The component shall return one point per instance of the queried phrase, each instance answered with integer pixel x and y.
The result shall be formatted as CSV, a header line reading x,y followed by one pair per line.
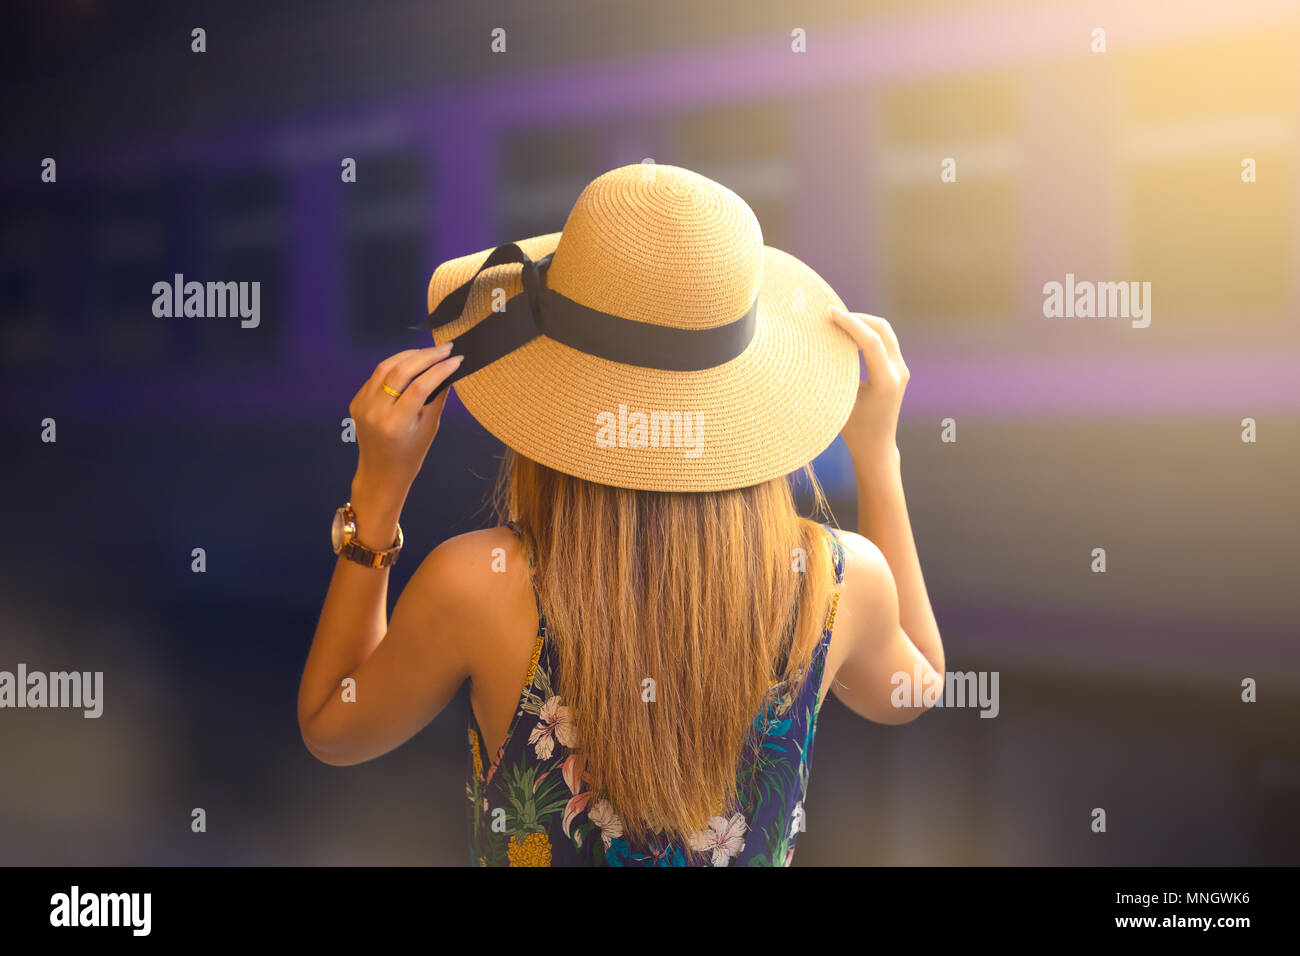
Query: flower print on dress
x,y
575,775
724,838
553,726
603,816
796,824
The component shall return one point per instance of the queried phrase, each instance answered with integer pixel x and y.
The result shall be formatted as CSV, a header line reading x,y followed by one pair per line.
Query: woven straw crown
x,y
664,246
660,244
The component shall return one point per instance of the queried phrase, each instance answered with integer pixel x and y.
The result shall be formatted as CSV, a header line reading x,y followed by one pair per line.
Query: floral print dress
x,y
531,807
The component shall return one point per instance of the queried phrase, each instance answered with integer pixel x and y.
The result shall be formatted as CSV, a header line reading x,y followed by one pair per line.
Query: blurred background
x,y
1119,690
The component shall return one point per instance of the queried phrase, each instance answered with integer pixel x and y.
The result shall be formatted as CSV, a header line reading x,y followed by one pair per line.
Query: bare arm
x,y
892,606
353,637
877,674
410,673
883,520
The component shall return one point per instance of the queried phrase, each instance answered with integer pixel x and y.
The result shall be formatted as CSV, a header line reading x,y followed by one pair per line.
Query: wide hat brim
x,y
762,415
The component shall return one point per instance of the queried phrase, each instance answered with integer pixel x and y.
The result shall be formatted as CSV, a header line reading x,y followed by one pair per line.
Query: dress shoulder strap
x,y
837,553
837,556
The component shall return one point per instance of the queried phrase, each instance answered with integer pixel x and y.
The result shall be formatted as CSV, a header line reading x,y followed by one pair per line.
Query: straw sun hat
x,y
655,343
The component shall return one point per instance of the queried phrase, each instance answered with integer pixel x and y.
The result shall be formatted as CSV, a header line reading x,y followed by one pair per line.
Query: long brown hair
x,y
701,592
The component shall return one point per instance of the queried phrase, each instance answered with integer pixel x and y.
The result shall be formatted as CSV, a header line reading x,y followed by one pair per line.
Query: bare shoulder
x,y
866,572
471,577
475,553
868,605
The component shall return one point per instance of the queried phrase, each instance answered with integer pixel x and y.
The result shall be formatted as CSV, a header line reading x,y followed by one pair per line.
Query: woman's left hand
x,y
394,434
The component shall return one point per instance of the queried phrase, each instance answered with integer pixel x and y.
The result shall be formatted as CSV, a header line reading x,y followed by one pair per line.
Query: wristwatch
x,y
344,535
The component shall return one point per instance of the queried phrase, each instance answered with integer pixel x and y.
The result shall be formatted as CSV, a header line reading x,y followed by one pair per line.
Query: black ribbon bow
x,y
542,311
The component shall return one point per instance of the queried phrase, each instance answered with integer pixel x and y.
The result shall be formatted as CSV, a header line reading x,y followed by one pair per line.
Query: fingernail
x,y
444,347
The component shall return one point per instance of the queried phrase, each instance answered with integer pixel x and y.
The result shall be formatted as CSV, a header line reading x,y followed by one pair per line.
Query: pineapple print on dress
x,y
534,801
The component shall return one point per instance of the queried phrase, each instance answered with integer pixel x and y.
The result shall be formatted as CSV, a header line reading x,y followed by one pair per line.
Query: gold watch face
x,y
342,530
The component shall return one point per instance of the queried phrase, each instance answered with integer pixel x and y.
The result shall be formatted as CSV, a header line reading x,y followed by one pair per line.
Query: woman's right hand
x,y
872,428
394,435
